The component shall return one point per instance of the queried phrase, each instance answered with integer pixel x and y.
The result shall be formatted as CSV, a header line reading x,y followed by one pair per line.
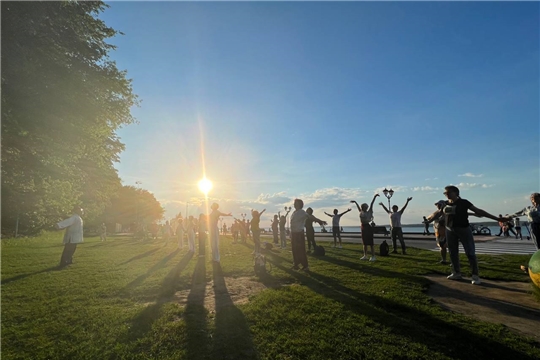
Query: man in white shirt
x,y
395,223
72,236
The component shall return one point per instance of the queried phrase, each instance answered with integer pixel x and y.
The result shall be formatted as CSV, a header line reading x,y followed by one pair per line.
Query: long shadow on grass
x,y
139,280
22,276
408,322
195,315
140,256
232,338
142,323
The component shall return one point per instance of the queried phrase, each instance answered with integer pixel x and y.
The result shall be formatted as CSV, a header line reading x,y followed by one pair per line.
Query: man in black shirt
x,y
458,230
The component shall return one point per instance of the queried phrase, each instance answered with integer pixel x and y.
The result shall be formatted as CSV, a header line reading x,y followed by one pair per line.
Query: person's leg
x,y
512,231
452,241
295,249
334,234
535,234
70,247
63,258
401,240
215,245
364,247
467,240
257,241
339,236
394,238
301,254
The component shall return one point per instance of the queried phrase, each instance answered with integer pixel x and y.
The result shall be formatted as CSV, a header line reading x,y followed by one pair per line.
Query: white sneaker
x,y
475,280
373,258
340,247
453,276
364,257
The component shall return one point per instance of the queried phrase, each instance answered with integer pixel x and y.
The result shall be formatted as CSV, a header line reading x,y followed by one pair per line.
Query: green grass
x,y
117,301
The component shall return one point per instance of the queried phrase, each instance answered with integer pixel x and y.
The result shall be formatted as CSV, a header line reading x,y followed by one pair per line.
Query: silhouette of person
x,y
275,225
298,240
426,226
103,232
214,231
366,217
203,223
180,232
336,230
256,230
282,232
395,224
533,217
190,232
440,230
310,231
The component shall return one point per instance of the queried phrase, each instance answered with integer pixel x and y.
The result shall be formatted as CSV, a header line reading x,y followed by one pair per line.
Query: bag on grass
x,y
318,250
260,265
384,249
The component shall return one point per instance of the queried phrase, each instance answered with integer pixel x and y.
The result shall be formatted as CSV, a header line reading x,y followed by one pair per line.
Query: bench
x,y
380,230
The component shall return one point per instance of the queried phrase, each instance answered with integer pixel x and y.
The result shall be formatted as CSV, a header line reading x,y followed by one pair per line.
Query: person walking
x,y
458,230
298,240
533,216
214,231
336,230
366,217
256,230
72,236
395,225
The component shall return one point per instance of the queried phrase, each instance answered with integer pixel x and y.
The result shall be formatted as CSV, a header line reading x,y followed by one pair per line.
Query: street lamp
x,y
388,194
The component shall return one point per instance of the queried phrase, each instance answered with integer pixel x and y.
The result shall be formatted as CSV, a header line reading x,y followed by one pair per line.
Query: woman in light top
x,y
533,216
366,217
214,230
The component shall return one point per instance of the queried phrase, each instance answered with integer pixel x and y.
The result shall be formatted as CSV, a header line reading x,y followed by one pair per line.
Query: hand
x,y
349,209
381,204
376,195
353,201
409,198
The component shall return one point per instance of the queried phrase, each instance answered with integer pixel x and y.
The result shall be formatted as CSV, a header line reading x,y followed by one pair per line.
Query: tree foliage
x,y
63,99
133,206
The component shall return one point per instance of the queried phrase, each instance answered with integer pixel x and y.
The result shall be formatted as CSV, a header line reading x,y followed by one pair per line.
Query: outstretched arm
x,y
262,212
373,201
483,213
358,206
405,206
327,214
384,207
321,222
223,214
437,214
343,213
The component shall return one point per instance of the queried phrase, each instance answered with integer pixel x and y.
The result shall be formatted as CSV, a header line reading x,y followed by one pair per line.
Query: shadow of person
x,y
22,276
197,336
140,279
232,336
140,256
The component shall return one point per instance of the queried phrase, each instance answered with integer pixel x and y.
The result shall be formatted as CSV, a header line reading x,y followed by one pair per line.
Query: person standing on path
x,y
282,232
336,230
72,236
214,231
440,229
298,240
366,217
395,225
256,230
458,230
533,216
275,225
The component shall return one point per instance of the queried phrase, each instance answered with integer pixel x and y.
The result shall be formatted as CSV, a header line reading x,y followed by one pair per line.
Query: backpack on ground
x,y
384,249
259,265
318,251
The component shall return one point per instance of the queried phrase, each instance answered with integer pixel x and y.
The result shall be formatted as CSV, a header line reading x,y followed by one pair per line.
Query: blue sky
x,y
331,102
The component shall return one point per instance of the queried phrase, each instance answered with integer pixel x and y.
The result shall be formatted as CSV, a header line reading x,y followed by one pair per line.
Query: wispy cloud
x,y
466,186
471,175
424,188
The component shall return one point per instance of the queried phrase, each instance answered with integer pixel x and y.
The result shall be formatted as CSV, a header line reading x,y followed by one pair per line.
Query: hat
x,y
440,202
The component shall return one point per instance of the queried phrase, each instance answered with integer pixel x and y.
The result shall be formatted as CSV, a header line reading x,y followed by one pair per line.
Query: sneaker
x,y
340,247
444,262
364,257
373,258
475,280
394,252
306,269
453,276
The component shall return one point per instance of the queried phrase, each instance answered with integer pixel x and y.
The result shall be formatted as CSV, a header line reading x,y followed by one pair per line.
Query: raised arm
x,y
405,206
321,222
518,214
343,213
223,214
357,206
372,202
384,207
262,211
328,214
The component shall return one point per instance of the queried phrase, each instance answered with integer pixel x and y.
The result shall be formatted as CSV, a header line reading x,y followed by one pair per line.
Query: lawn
x,y
120,299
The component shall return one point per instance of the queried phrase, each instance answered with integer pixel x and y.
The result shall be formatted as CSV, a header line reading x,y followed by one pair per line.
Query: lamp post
x,y
388,194
286,210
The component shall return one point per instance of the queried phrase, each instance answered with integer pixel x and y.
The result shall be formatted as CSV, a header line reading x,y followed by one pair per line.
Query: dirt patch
x,y
502,302
230,291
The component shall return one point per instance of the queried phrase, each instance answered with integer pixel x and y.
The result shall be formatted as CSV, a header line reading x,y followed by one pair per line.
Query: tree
x,y
133,206
62,101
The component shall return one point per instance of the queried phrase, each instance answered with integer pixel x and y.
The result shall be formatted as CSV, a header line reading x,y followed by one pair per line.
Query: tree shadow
x,y
142,323
409,322
195,315
139,280
232,335
140,256
22,276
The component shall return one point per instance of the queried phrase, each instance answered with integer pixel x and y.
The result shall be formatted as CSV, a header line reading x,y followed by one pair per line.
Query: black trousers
x,y
67,254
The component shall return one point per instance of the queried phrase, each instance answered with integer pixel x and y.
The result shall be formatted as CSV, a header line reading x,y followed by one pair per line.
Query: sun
x,y
205,186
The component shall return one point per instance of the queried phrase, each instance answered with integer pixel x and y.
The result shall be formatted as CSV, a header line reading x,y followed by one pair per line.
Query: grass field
x,y
120,299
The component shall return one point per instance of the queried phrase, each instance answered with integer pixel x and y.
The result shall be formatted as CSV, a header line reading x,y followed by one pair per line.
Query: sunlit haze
x,y
331,102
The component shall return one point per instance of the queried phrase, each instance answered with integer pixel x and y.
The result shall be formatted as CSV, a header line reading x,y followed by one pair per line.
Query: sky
x,y
331,102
